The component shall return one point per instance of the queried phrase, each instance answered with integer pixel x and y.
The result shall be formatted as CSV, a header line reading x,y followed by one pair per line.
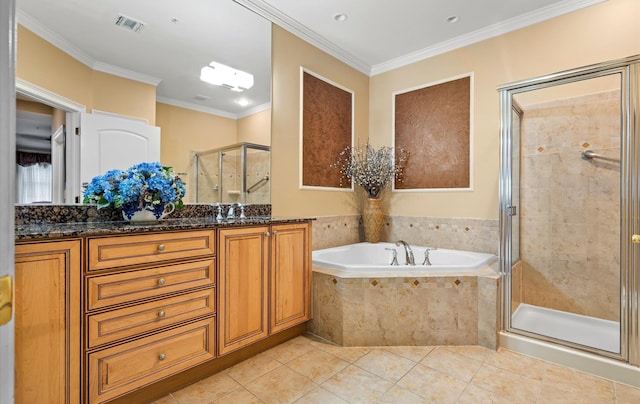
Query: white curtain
x,y
34,183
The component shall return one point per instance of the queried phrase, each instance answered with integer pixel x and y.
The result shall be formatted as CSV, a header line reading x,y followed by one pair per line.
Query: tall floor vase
x,y
373,220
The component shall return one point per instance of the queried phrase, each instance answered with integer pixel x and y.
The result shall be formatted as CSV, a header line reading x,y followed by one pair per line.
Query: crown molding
x,y
491,31
127,74
277,17
254,110
59,42
213,111
196,107
283,20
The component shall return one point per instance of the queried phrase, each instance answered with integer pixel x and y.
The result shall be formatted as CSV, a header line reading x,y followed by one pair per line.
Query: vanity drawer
x,y
113,252
126,367
106,290
129,321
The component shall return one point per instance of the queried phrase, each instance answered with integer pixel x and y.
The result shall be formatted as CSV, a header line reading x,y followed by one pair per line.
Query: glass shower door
x,y
566,281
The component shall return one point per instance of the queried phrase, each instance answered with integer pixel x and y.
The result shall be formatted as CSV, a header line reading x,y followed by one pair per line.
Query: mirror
x,y
76,57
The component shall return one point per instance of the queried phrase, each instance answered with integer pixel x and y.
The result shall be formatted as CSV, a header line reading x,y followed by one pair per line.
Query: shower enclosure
x,y
569,205
235,173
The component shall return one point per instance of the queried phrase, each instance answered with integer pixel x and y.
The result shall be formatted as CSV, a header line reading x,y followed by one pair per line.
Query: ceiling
x,y
377,36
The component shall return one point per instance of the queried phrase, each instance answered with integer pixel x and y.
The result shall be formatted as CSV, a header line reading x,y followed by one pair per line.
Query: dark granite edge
x,y
51,231
80,213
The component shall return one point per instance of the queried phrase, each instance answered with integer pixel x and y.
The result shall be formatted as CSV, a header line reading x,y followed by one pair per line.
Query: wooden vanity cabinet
x,y
47,322
263,278
290,276
243,277
150,309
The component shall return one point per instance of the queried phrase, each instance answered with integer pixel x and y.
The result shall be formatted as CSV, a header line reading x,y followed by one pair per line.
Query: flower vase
x,y
373,220
146,214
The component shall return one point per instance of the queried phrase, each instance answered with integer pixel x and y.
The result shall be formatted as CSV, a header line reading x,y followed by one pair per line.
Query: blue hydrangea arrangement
x,y
148,186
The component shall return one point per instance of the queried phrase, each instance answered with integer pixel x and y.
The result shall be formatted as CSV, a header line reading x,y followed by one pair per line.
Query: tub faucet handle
x,y
394,259
427,261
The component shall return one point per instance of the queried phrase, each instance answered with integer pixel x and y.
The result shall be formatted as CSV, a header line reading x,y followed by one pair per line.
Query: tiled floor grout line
x,y
388,364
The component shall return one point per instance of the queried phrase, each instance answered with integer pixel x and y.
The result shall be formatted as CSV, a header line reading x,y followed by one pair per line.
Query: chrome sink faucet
x,y
410,260
231,213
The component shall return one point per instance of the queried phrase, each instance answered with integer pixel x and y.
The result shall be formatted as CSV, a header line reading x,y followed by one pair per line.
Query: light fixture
x,y
243,102
453,19
222,75
340,17
129,23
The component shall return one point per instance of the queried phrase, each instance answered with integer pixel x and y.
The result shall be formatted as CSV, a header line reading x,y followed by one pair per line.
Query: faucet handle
x,y
242,215
394,259
427,260
218,211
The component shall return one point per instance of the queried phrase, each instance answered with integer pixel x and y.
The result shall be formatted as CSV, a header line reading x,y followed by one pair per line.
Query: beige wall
x,y
289,53
599,33
46,66
255,128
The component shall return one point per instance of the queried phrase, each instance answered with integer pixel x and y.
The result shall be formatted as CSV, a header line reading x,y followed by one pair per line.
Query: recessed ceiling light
x,y
453,19
243,102
340,17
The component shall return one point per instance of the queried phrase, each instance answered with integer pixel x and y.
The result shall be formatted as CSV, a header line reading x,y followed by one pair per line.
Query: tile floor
x,y
304,370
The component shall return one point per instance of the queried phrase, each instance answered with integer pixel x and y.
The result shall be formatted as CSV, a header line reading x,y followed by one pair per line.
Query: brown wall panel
x,y
326,131
433,124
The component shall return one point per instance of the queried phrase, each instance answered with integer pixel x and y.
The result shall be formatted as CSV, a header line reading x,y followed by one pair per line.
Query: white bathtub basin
x,y
371,258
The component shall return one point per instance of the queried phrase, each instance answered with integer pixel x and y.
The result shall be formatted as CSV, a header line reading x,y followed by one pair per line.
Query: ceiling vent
x,y
129,23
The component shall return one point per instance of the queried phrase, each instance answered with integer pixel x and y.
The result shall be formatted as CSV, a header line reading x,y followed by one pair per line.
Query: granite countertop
x,y
42,231
45,222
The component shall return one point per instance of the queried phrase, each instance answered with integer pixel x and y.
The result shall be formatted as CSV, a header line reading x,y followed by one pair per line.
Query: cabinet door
x,y
290,266
47,322
242,287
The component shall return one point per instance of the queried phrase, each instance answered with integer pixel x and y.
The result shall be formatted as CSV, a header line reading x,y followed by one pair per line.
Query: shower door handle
x,y
635,239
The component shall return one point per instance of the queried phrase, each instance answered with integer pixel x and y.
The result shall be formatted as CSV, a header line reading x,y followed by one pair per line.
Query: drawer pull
x,y
162,357
161,247
161,281
161,314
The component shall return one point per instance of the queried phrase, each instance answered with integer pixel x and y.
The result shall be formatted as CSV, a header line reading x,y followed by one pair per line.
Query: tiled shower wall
x,y
570,225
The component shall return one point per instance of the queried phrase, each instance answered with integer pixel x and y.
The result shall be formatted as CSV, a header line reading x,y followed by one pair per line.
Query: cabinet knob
x,y
161,247
161,281
161,314
162,357
267,234
275,232
635,239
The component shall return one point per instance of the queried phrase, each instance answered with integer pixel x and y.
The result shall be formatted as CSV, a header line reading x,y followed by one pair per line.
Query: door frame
x,y
72,189
7,181
629,68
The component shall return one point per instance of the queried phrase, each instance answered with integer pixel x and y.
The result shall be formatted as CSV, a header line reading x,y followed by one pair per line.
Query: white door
x,y
7,181
109,141
57,162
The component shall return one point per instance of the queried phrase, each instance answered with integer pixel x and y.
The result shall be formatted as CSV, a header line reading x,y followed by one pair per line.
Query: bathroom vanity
x,y
119,312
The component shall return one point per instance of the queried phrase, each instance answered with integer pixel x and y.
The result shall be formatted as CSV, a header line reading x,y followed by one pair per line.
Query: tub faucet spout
x,y
410,260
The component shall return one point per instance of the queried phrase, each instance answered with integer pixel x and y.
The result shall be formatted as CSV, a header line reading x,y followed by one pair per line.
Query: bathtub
x,y
370,260
361,300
